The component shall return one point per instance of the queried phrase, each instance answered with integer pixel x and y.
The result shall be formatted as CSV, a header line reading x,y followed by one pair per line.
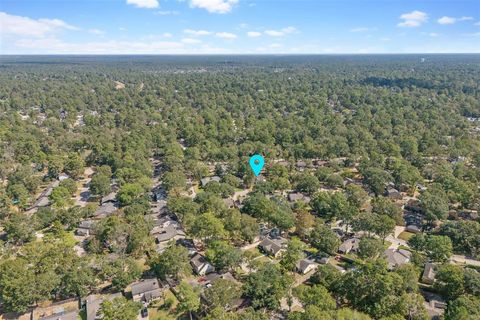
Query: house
x,y
214,276
349,245
187,243
413,228
200,265
63,176
207,180
324,260
71,315
292,197
273,247
393,193
167,233
397,257
111,197
305,266
105,209
85,228
428,275
301,165
93,304
146,290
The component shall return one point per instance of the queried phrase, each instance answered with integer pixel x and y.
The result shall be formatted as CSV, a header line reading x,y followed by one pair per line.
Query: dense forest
x,y
366,144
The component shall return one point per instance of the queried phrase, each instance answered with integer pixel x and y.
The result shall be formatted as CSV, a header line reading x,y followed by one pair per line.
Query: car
x,y
144,312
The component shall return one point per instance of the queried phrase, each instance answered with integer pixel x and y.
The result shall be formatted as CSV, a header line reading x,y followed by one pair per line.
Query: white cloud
x,y
385,39
413,19
451,20
24,26
226,35
477,23
197,33
253,34
167,13
214,6
167,35
433,34
54,45
97,32
281,32
122,29
191,41
446,20
149,4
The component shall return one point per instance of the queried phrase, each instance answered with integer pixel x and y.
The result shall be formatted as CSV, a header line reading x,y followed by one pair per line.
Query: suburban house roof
x,y
303,264
109,197
198,261
429,272
295,196
106,209
206,180
145,286
272,246
397,257
349,245
86,224
93,303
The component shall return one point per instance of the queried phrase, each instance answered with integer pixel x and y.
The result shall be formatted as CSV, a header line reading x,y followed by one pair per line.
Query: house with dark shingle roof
x,y
146,290
93,304
273,247
397,257
304,266
200,265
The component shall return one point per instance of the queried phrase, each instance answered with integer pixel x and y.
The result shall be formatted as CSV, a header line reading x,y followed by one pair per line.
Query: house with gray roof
x,y
349,245
146,290
93,304
428,275
200,265
207,180
85,228
305,266
397,257
273,247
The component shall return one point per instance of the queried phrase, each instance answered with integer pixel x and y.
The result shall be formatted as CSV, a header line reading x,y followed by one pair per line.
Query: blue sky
x,y
238,26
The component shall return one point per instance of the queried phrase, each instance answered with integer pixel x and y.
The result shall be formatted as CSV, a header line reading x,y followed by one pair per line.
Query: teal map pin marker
x,y
256,163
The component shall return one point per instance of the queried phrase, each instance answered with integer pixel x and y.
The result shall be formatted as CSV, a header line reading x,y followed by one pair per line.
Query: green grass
x,y
158,311
405,235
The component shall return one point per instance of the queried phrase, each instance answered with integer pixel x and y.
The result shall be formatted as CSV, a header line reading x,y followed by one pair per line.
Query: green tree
x,y
189,298
207,226
266,287
222,293
129,192
293,254
100,185
119,309
74,165
324,239
223,255
172,262
370,248
316,295
465,307
70,185
450,281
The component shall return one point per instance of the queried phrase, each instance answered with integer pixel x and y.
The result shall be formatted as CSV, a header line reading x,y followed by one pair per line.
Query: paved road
x,y
464,260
